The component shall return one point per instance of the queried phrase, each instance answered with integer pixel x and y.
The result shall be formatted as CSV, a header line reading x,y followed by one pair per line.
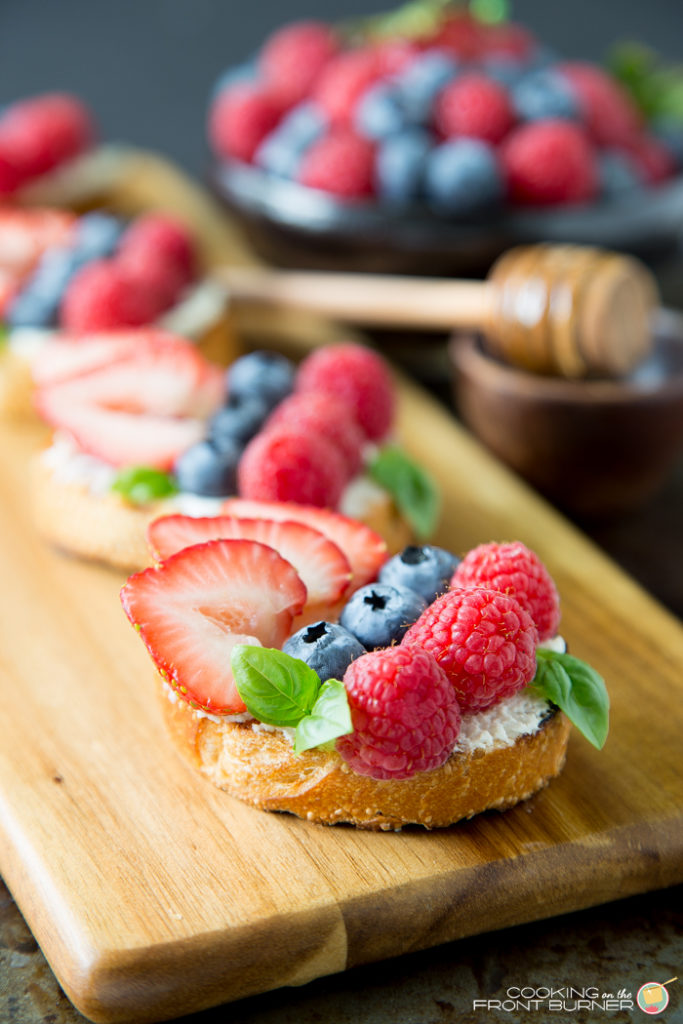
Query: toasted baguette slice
x,y
100,527
260,768
103,527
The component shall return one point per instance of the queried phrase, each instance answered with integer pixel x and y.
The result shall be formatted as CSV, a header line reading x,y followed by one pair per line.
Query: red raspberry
x,y
287,464
654,160
359,377
162,279
405,715
475,106
317,412
293,57
343,82
240,119
394,54
104,295
507,40
462,35
158,242
609,113
514,569
11,176
43,132
342,163
549,162
484,641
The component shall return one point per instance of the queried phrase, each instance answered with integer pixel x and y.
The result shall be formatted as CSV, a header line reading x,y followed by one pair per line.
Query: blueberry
x,y
97,236
543,57
505,70
264,375
281,151
545,94
326,648
400,165
207,470
618,174
304,123
463,177
37,304
238,420
379,615
247,72
380,112
669,131
422,80
427,570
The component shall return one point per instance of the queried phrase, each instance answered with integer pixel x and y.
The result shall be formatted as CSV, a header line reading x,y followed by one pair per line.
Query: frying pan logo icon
x,y
653,996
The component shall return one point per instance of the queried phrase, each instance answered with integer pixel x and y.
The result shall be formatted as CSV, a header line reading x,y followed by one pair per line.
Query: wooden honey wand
x,y
558,309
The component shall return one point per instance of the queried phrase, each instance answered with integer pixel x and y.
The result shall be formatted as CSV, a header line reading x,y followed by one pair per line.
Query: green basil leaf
x,y
577,689
330,718
277,689
491,12
412,488
4,334
142,484
411,20
655,85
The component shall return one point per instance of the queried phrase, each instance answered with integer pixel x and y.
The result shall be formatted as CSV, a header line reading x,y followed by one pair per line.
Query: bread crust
x,y
100,527
16,386
261,768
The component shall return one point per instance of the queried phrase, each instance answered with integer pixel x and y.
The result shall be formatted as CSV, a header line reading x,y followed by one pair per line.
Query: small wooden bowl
x,y
596,448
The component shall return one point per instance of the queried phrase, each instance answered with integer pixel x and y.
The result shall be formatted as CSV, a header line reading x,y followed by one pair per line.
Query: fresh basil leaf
x,y
577,689
655,85
491,12
412,20
412,488
4,334
142,484
277,689
330,718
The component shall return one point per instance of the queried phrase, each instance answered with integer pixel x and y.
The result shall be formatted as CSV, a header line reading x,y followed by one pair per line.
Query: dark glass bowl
x,y
291,225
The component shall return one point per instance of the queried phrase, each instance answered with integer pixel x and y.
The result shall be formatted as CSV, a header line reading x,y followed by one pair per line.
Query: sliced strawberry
x,y
26,234
121,438
191,611
365,549
139,385
66,357
9,286
145,408
324,569
164,371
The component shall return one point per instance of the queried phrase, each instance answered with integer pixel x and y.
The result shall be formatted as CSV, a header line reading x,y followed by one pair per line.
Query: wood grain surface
x,y
152,894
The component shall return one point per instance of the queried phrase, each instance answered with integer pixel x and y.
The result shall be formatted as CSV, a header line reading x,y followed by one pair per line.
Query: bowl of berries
x,y
429,140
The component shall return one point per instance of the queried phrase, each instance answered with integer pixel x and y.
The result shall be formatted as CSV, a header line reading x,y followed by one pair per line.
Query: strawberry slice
x,y
161,387
26,234
119,437
145,408
365,549
324,569
164,371
9,286
191,610
65,357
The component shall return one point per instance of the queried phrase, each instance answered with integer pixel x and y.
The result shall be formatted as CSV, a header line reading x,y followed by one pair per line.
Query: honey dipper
x,y
556,309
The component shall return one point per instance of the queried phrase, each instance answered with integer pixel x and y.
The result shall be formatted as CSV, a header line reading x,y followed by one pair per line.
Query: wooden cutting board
x,y
153,895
